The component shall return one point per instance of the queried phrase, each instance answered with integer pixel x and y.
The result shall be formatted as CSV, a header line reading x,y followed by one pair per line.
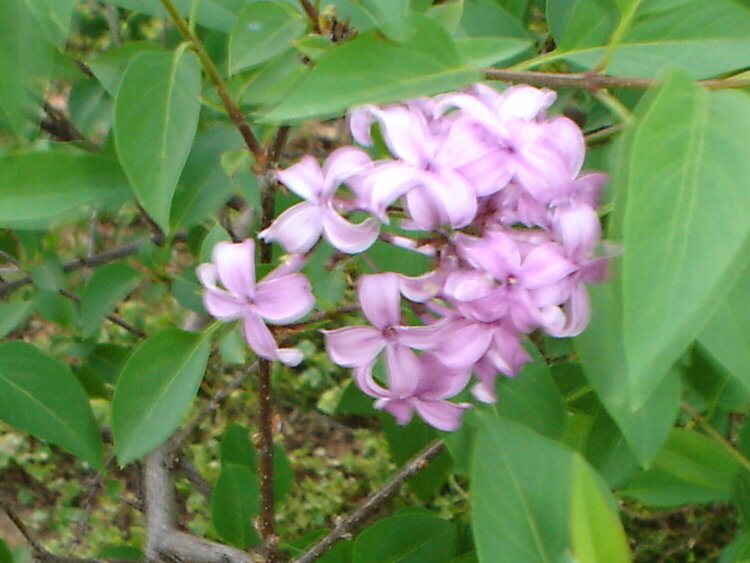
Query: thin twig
x,y
312,13
233,110
716,436
274,152
364,511
91,261
116,319
30,537
593,81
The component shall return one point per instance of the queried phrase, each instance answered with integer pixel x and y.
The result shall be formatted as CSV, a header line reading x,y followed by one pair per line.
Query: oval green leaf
x,y
40,395
522,507
156,116
33,198
688,166
377,70
155,389
261,31
235,501
407,538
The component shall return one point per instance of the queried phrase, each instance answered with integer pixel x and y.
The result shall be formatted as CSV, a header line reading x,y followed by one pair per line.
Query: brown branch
x,y
233,110
312,13
59,125
593,81
367,509
274,151
90,261
162,538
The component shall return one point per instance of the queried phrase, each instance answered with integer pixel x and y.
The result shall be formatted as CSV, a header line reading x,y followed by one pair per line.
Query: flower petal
x,y
285,299
343,163
545,265
380,299
443,415
401,410
304,178
290,356
235,265
463,343
353,345
259,337
297,229
349,237
404,370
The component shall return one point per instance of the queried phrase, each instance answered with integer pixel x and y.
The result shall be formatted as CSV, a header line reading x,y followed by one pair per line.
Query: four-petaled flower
x,y
283,296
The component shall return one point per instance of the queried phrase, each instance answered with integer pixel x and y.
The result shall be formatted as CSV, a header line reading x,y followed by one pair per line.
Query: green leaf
x,y
155,389
12,315
156,116
691,468
718,387
404,442
213,14
108,67
235,447
522,509
101,367
262,31
533,399
204,186
407,538
26,63
701,38
5,555
725,336
676,266
582,23
53,17
235,501
377,70
607,450
489,19
741,497
596,534
32,198
487,51
603,359
273,81
55,308
40,395
107,286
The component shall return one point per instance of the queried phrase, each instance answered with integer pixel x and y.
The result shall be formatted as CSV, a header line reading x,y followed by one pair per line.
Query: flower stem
x,y
235,114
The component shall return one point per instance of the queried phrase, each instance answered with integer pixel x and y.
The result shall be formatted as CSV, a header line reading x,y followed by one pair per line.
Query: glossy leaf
x,y
691,468
676,266
235,501
32,198
521,503
155,389
377,70
486,51
406,538
596,534
718,387
607,450
156,116
40,395
107,286
603,359
262,31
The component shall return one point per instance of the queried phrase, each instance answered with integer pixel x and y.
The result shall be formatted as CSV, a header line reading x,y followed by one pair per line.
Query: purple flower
x,y
280,298
425,391
298,228
425,171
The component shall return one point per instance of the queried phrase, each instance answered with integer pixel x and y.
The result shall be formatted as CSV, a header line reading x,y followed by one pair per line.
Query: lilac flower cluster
x,y
513,234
